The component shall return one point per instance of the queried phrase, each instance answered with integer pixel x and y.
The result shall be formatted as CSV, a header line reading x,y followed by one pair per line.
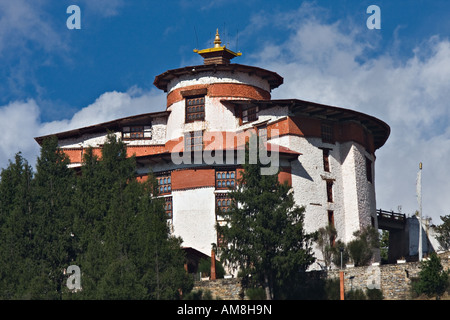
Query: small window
x,y
225,179
136,132
164,184
327,132
331,218
326,160
223,203
250,114
329,190
369,169
262,133
331,223
193,141
168,207
195,109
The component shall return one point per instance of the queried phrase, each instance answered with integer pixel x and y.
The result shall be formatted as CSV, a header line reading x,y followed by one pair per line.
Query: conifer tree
x,y
125,248
159,257
15,245
264,234
52,221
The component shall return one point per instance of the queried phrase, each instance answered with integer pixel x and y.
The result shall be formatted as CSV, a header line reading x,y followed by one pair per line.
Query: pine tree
x,y
159,255
52,221
264,232
125,251
15,211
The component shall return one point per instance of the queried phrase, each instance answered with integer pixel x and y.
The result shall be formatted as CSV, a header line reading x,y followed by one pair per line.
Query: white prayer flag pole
x,y
419,200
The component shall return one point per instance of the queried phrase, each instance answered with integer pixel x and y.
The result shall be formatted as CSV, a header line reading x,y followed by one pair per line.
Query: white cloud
x,y
110,106
331,63
20,122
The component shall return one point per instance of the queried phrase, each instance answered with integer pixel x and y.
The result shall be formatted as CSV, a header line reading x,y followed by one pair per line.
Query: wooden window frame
x,y
164,183
195,108
168,207
331,223
327,132
329,184
137,132
193,141
326,160
250,114
369,174
227,182
221,210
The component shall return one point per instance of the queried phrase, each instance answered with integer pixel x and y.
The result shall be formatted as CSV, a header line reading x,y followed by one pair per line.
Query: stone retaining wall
x,y
223,289
394,280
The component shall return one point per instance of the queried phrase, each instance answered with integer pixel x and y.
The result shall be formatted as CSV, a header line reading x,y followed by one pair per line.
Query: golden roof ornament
x,y
218,54
217,41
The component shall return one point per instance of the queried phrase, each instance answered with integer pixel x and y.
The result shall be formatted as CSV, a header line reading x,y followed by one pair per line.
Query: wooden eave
x,y
379,129
116,124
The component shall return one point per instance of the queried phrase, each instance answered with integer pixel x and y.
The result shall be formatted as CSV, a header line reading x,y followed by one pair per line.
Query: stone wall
x,y
394,280
223,289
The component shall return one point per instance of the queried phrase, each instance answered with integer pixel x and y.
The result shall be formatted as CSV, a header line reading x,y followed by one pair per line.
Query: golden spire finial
x,y
217,41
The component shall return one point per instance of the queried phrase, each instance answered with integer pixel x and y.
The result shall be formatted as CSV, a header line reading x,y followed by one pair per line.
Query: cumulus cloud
x,y
330,63
20,120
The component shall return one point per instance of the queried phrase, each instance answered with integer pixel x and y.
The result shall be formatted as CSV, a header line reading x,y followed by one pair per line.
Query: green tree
x,y
264,232
52,221
15,244
433,280
443,232
325,241
384,246
361,248
126,251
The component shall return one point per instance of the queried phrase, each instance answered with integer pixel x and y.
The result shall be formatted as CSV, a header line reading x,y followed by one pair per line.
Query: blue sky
x,y
53,79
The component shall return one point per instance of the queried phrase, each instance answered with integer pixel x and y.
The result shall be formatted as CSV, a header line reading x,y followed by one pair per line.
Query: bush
x,y
256,293
433,280
374,294
204,266
361,249
198,295
355,294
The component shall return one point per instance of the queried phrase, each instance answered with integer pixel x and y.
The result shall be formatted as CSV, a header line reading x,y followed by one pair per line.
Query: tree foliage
x,y
443,232
104,221
361,248
264,232
433,279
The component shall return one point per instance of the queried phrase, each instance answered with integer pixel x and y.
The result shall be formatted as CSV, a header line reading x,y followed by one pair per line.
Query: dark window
x,y
193,141
225,179
331,217
329,190
195,109
136,132
164,184
326,160
262,133
168,207
250,114
327,133
223,203
369,169
331,223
